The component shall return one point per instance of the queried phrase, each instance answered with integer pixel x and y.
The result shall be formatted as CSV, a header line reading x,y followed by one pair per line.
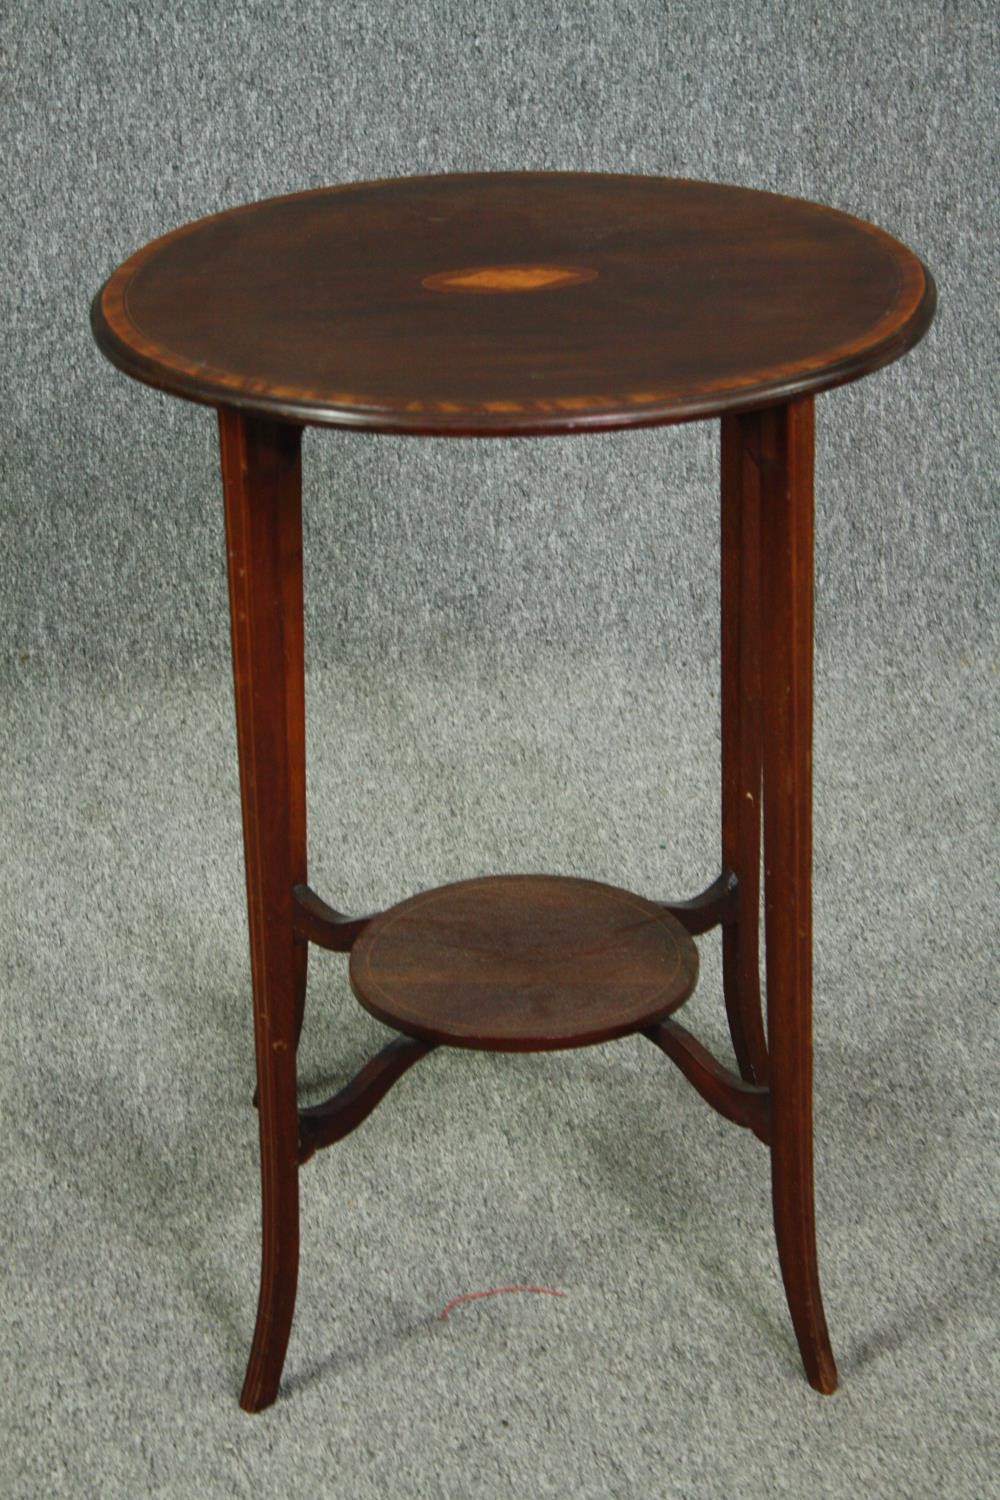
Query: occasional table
x,y
495,305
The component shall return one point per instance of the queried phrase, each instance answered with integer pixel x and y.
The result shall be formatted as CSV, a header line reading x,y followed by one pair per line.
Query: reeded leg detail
x,y
741,736
261,483
293,638
786,470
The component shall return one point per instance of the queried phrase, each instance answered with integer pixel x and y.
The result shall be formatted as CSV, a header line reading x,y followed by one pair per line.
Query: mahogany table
x,y
527,303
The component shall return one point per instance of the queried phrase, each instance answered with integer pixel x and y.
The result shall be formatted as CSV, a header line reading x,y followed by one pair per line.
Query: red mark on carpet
x,y
492,1292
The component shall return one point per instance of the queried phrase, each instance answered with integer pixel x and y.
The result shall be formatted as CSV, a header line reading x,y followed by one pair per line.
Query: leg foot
x,y
795,1231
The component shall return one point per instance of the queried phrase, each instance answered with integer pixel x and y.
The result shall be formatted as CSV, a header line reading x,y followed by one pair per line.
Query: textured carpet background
x,y
512,665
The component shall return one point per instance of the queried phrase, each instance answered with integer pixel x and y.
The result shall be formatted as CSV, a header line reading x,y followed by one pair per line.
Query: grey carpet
x,y
669,1367
512,654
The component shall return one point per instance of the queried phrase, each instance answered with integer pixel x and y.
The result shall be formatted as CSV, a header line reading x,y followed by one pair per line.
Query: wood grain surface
x,y
523,963
513,302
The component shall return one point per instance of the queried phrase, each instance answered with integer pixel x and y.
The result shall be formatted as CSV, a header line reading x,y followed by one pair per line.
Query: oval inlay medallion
x,y
523,278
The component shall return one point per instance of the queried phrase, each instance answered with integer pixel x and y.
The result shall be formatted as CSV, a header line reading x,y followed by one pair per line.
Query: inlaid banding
x,y
520,278
724,299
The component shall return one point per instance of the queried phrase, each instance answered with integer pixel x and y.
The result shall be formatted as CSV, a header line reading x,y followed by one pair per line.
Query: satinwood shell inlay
x,y
508,278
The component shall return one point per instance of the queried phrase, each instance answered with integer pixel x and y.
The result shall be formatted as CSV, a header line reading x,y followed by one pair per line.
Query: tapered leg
x,y
786,469
741,736
261,483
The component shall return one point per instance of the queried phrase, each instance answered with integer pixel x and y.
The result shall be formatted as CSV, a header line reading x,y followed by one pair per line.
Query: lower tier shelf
x,y
523,963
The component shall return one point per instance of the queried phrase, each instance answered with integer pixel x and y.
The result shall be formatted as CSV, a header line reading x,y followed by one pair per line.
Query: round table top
x,y
506,303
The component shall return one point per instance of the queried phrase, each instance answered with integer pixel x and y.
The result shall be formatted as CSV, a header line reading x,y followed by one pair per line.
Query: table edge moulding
x,y
529,304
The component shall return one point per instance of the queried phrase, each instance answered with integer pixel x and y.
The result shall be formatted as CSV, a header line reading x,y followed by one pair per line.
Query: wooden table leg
x,y
741,737
786,474
262,486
